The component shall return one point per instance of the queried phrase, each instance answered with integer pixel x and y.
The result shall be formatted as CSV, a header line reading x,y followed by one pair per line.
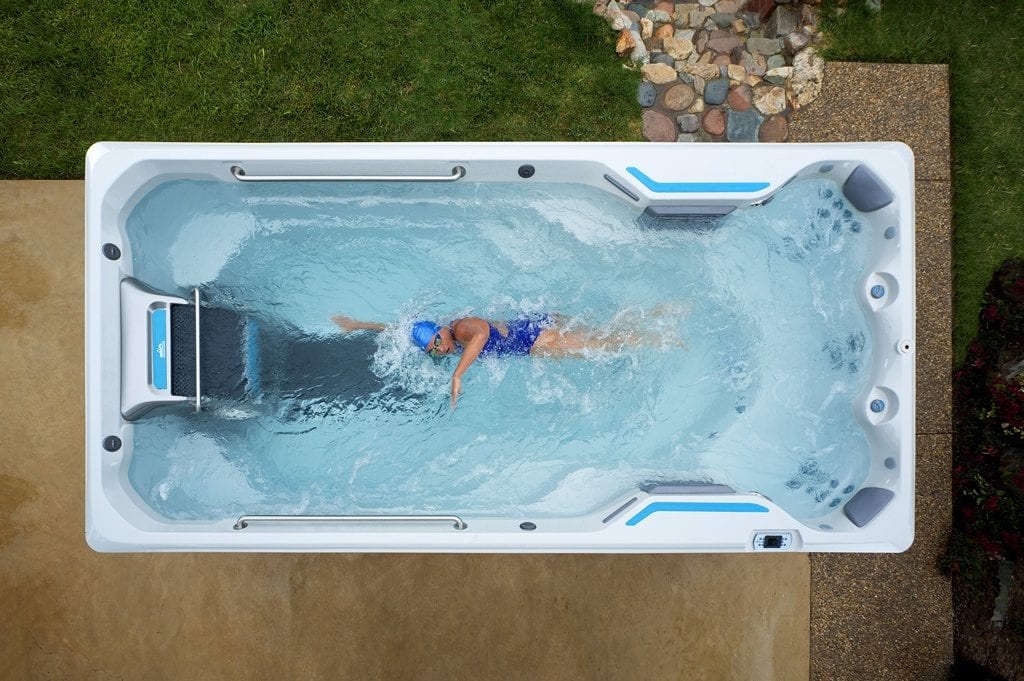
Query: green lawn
x,y
77,71
983,43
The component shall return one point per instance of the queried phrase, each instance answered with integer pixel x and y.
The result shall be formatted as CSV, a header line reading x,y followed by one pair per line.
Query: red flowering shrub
x,y
988,471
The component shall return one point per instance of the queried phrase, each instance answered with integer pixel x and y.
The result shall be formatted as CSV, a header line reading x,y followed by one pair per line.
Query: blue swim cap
x,y
422,332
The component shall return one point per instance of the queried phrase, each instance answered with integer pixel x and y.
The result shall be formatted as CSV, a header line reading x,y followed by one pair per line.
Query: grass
x,y
983,43
73,72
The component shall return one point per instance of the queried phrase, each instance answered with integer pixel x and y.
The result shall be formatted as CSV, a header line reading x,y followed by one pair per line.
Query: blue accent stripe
x,y
697,507
697,187
158,327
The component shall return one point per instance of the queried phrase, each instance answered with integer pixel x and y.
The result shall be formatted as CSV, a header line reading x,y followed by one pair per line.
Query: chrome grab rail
x,y
458,172
243,521
198,393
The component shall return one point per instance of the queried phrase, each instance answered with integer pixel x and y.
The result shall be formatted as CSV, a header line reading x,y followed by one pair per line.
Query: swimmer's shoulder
x,y
467,327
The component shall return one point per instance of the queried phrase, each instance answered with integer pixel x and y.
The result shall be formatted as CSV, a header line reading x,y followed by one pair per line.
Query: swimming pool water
x,y
755,349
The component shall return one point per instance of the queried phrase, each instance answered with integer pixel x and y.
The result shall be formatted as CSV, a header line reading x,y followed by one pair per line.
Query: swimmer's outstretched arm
x,y
472,333
348,324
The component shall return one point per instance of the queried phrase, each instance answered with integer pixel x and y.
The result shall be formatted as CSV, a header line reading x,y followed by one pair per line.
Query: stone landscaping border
x,y
719,70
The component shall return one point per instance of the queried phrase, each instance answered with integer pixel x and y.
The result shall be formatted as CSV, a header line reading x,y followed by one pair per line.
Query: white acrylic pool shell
x,y
673,519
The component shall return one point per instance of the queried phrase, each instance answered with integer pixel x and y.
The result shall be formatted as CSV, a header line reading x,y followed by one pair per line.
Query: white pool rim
x,y
666,519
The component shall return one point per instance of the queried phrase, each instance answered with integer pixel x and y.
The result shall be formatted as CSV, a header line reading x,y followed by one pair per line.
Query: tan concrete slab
x,y
71,613
890,616
883,102
934,308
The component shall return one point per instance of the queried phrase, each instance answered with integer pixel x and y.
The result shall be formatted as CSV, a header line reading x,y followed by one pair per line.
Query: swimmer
x,y
539,335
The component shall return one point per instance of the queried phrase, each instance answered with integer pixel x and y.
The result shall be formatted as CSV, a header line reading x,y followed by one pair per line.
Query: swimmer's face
x,y
441,344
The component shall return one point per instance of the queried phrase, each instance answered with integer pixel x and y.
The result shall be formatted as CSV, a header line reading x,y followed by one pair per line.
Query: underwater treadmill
x,y
169,360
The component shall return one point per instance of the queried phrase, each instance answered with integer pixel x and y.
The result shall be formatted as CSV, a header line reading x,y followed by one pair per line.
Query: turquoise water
x,y
753,349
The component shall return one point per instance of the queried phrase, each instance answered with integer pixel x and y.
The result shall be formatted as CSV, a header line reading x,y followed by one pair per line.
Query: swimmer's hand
x,y
456,389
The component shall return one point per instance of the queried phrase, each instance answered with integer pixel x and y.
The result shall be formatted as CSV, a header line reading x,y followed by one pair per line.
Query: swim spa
x,y
768,406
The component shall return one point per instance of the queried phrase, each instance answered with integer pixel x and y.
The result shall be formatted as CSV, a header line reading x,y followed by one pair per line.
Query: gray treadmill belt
x,y
241,357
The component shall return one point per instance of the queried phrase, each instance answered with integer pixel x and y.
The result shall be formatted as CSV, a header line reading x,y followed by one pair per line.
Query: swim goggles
x,y
436,345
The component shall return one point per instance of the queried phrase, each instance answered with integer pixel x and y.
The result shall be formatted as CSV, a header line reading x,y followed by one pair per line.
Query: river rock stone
x,y
783,21
775,129
736,72
751,20
729,6
754,63
618,21
705,71
779,76
679,48
625,43
741,98
659,17
698,86
698,106
723,42
764,46
722,20
688,123
662,58
667,7
657,127
659,74
716,91
808,71
664,31
776,61
741,126
646,28
679,97
761,9
646,94
714,122
697,19
639,54
794,42
634,18
770,100
808,17
639,8
701,43
686,137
